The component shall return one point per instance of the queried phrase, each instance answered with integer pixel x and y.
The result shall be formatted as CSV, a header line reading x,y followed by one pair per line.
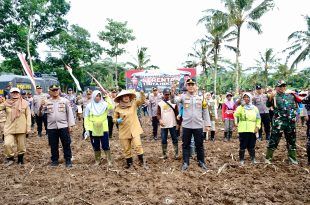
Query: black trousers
x,y
247,140
198,138
53,139
110,124
155,123
265,120
40,120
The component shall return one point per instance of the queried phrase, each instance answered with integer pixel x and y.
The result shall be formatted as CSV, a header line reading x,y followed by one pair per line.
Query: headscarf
x,y
229,103
249,106
16,107
97,108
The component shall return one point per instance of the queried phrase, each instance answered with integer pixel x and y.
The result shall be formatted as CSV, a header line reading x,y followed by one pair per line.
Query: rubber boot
x,y
213,136
292,156
9,161
252,156
269,156
229,135
128,162
268,137
164,149
225,136
204,136
97,158
176,151
241,156
20,159
109,158
142,161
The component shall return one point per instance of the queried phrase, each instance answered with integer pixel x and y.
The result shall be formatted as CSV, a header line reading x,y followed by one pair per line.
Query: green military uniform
x,y
284,120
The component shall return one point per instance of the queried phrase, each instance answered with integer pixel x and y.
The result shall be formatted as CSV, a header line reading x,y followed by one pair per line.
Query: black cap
x,y
190,81
53,87
154,89
38,87
258,87
166,91
22,92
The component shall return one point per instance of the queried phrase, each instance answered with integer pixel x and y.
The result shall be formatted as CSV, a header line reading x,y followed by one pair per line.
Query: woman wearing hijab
x,y
248,121
96,125
17,125
228,109
125,115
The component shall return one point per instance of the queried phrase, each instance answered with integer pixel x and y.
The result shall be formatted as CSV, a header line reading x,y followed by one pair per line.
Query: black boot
x,y
241,156
128,162
142,161
20,159
229,135
213,136
204,136
9,161
225,136
252,155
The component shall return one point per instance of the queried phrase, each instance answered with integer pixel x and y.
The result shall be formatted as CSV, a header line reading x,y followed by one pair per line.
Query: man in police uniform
x,y
195,118
111,112
284,120
60,120
38,99
154,99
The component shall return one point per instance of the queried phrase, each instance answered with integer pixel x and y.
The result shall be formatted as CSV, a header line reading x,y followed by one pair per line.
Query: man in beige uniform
x,y
38,99
17,125
60,119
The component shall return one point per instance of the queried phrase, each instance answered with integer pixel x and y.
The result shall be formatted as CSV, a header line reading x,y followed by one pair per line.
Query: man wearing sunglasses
x,y
284,120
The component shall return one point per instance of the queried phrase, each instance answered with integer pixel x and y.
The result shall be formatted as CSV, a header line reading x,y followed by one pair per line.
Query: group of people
x,y
192,115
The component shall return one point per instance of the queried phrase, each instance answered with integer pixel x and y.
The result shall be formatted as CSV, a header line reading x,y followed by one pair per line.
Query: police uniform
x,y
110,117
59,119
153,104
284,120
39,117
195,118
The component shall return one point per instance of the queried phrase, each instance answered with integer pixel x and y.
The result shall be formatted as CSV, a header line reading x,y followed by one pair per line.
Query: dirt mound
x,y
225,182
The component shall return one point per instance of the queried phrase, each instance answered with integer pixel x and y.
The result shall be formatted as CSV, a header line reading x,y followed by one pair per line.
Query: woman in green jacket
x,y
247,119
96,125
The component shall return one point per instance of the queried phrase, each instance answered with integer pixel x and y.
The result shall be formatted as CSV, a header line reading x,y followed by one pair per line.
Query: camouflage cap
x,y
280,82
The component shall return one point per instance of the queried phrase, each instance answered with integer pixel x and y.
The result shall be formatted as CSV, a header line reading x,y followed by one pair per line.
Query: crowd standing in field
x,y
189,113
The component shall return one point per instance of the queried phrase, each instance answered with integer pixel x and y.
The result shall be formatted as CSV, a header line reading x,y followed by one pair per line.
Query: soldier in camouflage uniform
x,y
284,120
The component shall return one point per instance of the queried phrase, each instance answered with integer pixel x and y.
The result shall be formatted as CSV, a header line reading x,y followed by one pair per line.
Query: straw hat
x,y
122,93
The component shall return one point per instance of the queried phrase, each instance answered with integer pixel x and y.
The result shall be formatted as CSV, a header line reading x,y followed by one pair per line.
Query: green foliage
x,y
142,60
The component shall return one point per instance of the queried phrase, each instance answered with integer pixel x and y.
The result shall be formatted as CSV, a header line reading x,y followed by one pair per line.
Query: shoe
x,y
109,158
184,167
142,161
20,159
39,134
269,156
97,158
176,151
164,148
241,162
68,163
225,136
203,166
54,163
9,161
292,156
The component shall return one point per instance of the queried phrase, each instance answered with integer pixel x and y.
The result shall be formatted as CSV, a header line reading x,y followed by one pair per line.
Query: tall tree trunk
x,y
215,70
116,73
266,75
28,45
237,59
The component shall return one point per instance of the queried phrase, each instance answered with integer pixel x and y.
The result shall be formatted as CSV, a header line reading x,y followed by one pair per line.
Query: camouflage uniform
x,y
284,120
306,101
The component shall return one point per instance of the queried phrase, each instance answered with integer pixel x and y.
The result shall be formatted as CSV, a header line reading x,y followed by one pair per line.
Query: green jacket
x,y
98,124
247,119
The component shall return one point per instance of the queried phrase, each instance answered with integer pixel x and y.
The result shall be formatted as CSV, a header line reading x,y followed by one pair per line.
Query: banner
x,y
27,69
147,79
74,78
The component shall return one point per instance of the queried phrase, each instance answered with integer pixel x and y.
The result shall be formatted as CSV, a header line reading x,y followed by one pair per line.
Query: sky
x,y
168,28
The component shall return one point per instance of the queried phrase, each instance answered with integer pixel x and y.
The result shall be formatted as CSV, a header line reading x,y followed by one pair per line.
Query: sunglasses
x,y
54,90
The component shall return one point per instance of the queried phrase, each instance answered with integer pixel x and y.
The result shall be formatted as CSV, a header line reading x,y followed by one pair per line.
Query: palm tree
x,y
218,34
142,60
240,12
301,43
283,72
200,56
267,62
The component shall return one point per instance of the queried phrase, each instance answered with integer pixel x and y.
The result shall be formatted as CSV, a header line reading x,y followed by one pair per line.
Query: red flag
x,y
26,68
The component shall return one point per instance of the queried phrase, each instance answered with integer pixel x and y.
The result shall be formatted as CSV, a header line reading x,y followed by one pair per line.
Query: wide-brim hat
x,y
122,93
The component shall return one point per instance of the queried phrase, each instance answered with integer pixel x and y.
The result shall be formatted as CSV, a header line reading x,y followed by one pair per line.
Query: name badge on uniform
x,y
49,108
61,107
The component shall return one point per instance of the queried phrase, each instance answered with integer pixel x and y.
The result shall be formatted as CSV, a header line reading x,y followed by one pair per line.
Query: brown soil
x,y
38,183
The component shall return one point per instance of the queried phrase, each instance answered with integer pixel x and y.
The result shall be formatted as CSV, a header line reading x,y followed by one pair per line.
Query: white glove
x,y
86,134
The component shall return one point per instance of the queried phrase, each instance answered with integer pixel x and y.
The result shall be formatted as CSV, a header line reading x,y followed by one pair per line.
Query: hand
x,y
161,123
28,132
86,134
70,129
256,130
208,128
178,117
119,120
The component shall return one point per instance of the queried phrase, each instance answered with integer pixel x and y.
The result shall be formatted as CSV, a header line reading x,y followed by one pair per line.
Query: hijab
x,y
249,106
97,108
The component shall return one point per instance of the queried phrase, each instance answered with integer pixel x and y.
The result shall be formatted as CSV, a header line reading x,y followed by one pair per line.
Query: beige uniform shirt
x,y
37,100
59,113
2,114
